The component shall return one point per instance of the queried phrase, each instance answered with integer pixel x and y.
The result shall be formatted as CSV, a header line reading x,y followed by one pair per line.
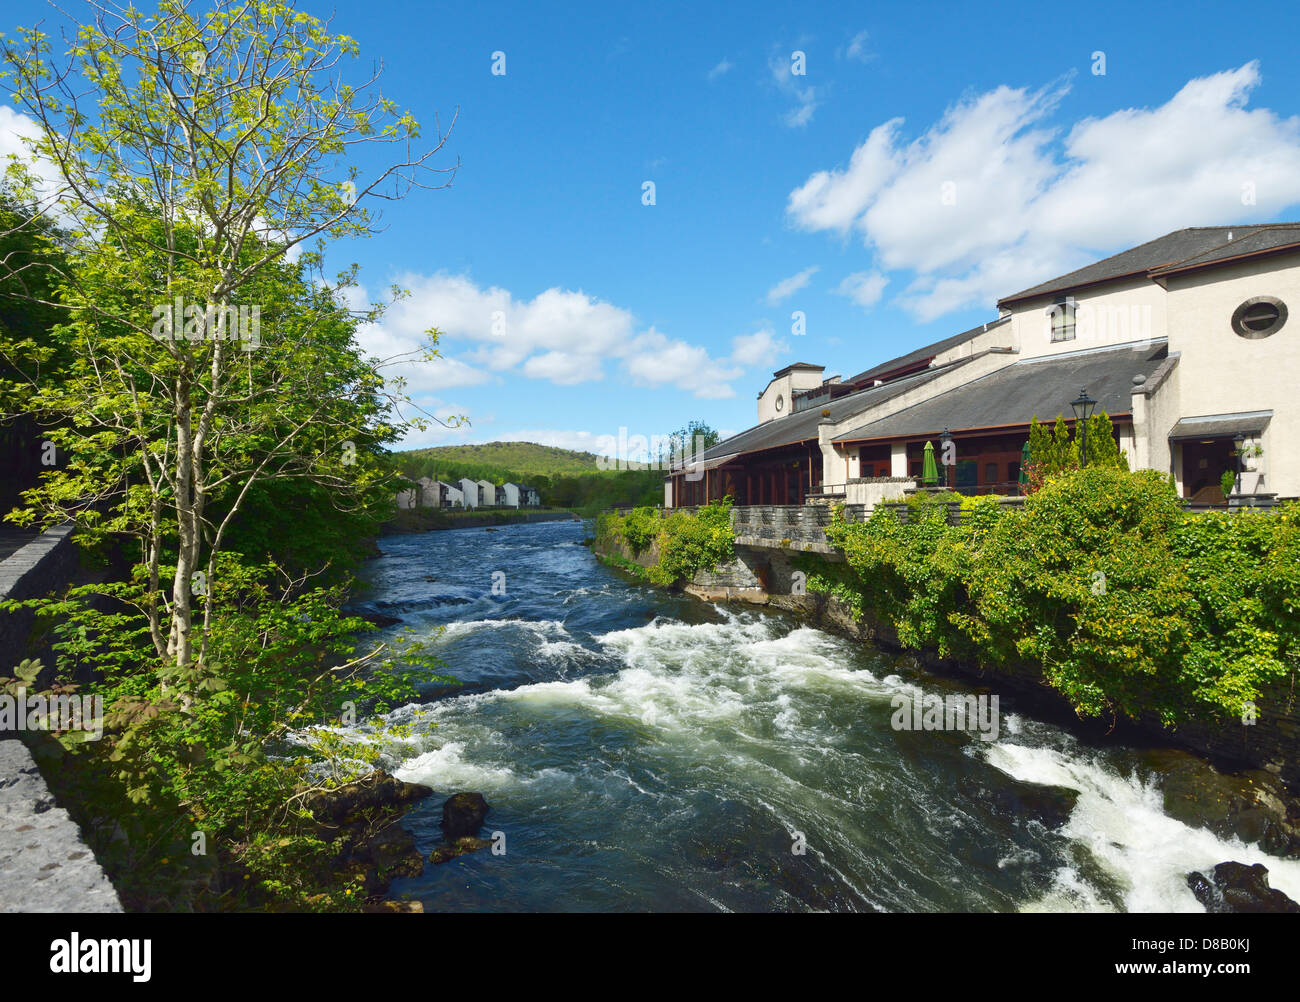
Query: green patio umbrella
x,y
929,471
1024,465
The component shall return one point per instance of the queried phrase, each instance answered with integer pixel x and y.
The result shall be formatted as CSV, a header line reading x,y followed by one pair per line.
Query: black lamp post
x,y
1083,408
1239,441
944,439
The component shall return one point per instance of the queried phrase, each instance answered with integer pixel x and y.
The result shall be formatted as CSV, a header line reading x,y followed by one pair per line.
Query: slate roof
x,y
1220,425
801,426
1164,254
1011,396
928,351
1259,241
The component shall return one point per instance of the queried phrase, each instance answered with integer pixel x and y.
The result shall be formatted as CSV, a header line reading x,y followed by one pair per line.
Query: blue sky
x,y
930,159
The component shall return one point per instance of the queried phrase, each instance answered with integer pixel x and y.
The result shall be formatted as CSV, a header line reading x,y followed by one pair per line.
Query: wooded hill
x,y
520,458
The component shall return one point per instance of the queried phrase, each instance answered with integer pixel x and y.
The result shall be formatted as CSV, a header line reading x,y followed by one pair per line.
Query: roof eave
x,y
1024,297
960,432
1179,268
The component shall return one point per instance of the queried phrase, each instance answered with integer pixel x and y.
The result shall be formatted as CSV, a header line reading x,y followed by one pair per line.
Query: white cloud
x,y
857,49
561,336
864,287
723,67
16,130
787,287
657,360
564,368
760,348
795,87
990,200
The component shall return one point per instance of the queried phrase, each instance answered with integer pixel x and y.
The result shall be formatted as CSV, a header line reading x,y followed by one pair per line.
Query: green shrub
x,y
1128,603
691,542
688,541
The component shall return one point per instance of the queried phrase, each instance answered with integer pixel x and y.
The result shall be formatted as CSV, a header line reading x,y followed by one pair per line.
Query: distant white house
x,y
429,494
407,499
469,490
511,495
451,495
487,493
529,497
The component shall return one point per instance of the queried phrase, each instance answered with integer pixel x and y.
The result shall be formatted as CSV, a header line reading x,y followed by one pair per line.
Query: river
x,y
642,750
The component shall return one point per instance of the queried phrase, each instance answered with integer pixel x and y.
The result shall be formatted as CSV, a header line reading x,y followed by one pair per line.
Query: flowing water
x,y
645,751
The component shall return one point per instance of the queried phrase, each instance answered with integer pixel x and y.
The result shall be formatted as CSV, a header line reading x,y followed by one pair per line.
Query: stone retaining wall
x,y
44,864
48,562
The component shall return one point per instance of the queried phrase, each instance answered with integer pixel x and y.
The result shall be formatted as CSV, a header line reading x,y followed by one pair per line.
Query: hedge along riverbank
x,y
684,542
1128,603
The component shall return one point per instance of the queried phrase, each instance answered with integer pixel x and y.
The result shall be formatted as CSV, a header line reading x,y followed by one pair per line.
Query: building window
x,y
1259,317
1062,314
990,473
780,403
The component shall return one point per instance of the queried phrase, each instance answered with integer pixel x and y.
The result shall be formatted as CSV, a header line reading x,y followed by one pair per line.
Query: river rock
x,y
398,907
377,618
1253,805
1238,888
374,791
462,815
450,850
1050,806
393,853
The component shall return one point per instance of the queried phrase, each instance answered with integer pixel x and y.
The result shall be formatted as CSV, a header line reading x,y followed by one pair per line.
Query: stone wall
x,y
870,491
48,562
44,864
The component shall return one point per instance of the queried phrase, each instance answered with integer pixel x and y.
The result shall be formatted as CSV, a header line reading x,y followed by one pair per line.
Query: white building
x,y
1185,341
452,497
469,490
487,493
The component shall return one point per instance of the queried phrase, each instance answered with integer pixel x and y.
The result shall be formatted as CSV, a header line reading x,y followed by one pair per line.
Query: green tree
x,y
1055,450
218,142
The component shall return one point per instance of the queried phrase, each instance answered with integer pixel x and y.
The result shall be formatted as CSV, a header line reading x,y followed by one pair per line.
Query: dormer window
x,y
1062,314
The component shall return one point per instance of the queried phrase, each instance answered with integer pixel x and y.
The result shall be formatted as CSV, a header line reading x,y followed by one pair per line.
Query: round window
x,y
1259,317
780,402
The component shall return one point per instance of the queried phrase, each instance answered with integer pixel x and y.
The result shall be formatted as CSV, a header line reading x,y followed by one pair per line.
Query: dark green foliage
x,y
688,541
1128,603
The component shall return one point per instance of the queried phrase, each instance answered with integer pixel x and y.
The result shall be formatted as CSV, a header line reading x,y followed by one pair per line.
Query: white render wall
x,y
1116,313
799,379
1222,373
